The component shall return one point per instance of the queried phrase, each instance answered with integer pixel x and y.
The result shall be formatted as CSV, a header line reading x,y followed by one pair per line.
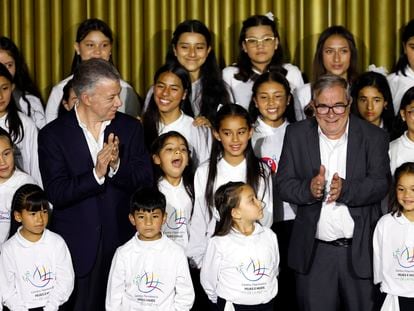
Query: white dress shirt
x,y
335,221
95,146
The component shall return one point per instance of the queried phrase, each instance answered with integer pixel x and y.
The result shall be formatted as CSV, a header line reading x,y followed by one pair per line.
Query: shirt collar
x,y
342,139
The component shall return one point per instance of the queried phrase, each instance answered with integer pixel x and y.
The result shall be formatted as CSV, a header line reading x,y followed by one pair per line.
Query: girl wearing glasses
x,y
336,54
372,100
402,149
260,51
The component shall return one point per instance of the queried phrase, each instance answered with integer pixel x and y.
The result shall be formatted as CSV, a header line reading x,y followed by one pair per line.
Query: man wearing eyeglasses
x,y
335,167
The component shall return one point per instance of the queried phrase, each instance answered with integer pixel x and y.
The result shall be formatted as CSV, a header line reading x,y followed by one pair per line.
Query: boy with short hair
x,y
150,271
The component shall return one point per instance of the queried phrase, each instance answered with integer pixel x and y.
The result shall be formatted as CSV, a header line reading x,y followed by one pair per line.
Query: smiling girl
x,y
232,159
172,90
191,46
394,244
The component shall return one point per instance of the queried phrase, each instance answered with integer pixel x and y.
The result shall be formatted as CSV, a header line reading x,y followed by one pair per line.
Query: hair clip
x,y
381,70
270,16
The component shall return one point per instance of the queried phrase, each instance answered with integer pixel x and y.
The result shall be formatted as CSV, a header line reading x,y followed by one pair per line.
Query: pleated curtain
x,y
45,30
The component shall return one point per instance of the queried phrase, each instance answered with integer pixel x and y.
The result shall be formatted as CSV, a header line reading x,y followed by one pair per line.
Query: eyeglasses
x,y
336,109
251,42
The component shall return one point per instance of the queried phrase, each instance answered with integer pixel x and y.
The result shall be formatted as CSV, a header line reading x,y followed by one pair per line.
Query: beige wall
x,y
45,30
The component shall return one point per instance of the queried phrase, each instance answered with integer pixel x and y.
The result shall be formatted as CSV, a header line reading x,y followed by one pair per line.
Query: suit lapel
x,y
353,148
79,141
312,138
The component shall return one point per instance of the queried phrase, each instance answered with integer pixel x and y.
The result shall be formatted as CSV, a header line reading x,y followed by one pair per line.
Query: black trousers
x,y
406,304
286,295
331,283
90,291
221,303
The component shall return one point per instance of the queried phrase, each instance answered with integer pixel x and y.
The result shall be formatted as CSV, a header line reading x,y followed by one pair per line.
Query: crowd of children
x,y
211,232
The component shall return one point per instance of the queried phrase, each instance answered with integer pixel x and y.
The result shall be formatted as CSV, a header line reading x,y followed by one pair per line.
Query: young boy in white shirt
x,y
150,271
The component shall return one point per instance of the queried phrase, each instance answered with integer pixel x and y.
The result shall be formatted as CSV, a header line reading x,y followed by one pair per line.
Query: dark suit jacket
x,y
366,183
84,211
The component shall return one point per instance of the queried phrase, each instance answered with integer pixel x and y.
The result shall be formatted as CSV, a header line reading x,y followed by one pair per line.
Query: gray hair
x,y
90,72
327,81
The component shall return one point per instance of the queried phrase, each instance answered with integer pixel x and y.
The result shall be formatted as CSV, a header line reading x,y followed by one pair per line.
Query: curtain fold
x,y
45,30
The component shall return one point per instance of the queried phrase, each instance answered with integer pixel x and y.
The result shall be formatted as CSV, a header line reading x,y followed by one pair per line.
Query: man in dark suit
x,y
335,167
91,161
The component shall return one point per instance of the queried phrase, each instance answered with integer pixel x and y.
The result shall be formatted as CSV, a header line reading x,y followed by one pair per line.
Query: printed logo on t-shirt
x,y
253,270
404,264
405,257
40,277
4,216
148,282
271,163
177,219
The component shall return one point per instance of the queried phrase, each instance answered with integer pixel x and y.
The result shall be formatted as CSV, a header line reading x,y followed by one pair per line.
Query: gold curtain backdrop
x,y
45,30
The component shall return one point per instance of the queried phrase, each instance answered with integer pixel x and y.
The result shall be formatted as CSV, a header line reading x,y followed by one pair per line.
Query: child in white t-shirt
x,y
174,177
35,264
240,267
394,244
11,178
150,271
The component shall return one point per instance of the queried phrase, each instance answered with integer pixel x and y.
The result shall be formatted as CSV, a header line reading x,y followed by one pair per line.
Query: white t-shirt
x,y
399,84
242,91
401,151
179,207
302,97
26,150
267,144
202,226
7,190
37,112
242,269
36,274
149,275
393,243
